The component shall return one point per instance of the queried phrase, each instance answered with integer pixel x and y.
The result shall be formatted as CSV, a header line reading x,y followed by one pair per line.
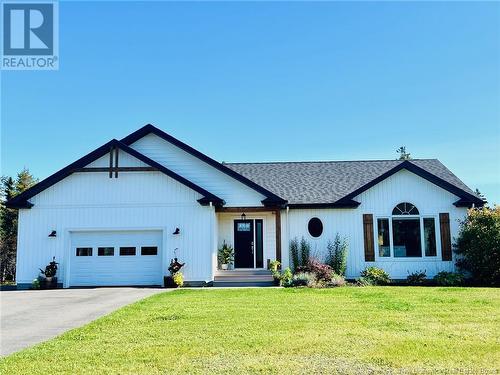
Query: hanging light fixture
x,y
243,216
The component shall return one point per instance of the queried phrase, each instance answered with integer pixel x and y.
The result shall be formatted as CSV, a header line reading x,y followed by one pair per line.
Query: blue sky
x,y
267,82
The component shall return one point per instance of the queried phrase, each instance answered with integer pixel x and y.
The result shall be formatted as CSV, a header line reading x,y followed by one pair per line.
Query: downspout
x,y
212,242
287,235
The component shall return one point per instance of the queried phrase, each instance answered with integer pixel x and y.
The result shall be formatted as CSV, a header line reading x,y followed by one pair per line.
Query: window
x,y
105,251
243,227
430,237
127,250
384,245
406,238
315,227
405,209
259,244
406,234
149,250
83,251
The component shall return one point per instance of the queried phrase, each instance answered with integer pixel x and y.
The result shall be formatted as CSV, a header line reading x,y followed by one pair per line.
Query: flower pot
x,y
48,282
225,267
168,282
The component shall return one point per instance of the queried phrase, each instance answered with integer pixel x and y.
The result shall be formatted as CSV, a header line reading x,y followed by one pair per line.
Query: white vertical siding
x,y
133,201
379,200
188,166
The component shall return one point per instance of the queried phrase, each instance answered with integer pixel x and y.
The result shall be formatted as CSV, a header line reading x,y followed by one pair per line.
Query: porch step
x,y
241,278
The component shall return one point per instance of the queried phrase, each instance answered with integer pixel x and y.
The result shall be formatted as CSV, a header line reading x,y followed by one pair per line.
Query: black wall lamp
x,y
243,216
177,231
53,234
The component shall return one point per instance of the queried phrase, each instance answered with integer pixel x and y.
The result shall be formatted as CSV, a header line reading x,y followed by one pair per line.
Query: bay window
x,y
406,234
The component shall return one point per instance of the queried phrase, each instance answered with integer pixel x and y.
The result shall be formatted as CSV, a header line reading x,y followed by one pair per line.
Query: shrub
x,y
286,277
178,279
35,284
416,278
323,272
305,252
337,255
444,278
336,280
274,266
300,254
304,279
294,253
377,276
226,254
478,245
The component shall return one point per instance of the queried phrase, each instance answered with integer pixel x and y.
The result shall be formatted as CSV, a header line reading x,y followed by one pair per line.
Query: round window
x,y
315,227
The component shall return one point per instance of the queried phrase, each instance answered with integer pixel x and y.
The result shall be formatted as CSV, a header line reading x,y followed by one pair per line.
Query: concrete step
x,y
243,279
244,276
242,272
239,284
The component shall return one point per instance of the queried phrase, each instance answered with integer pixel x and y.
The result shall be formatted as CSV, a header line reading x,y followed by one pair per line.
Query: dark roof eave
x,y
217,202
348,203
269,202
468,203
18,205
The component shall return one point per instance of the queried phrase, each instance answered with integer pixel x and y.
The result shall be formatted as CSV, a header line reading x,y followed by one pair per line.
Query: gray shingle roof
x,y
327,182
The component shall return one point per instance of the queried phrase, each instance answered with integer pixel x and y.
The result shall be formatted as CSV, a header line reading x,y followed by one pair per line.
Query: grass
x,y
293,331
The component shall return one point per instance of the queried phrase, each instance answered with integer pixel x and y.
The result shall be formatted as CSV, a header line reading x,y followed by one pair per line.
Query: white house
x,y
118,215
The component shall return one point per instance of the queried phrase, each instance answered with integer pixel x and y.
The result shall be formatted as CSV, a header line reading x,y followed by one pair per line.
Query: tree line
x,y
9,188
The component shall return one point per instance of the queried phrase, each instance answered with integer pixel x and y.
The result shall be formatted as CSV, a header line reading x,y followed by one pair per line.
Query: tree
x,y
8,225
478,245
480,195
403,155
8,221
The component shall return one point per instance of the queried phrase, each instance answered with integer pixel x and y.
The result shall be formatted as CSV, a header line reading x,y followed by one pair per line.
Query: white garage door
x,y
116,258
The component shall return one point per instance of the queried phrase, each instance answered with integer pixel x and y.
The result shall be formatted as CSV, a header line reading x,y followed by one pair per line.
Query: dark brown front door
x,y
243,244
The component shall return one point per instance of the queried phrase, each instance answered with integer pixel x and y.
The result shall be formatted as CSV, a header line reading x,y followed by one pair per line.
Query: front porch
x,y
255,235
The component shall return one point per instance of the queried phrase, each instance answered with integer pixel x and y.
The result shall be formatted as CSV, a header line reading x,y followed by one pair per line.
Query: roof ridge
x,y
327,161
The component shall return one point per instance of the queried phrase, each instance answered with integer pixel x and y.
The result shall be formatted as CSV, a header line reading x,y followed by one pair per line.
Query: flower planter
x,y
48,283
168,282
224,267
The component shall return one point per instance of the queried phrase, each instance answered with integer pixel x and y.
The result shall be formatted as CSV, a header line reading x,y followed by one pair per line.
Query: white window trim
x,y
425,258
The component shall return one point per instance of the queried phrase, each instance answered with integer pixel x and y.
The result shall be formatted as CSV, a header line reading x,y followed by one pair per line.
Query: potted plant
x,y
175,279
275,267
48,279
226,256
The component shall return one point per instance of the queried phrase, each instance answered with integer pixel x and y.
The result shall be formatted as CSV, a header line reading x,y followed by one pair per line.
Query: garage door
x,y
116,258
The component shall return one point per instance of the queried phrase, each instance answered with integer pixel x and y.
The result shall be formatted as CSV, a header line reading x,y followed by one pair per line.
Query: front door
x,y
243,244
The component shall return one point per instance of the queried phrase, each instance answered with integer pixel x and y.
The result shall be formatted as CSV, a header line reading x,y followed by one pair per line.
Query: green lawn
x,y
344,330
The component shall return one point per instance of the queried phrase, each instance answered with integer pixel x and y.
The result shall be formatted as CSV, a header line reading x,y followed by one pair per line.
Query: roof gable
x,y
335,184
21,200
271,198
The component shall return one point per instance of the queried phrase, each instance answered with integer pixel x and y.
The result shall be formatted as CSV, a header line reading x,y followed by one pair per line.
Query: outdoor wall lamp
x,y
53,234
177,231
243,216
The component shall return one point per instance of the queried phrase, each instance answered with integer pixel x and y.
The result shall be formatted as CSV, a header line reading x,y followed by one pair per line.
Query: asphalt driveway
x,y
32,316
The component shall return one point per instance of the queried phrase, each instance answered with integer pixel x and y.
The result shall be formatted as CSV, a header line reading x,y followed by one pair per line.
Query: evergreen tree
x,y
8,221
403,155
